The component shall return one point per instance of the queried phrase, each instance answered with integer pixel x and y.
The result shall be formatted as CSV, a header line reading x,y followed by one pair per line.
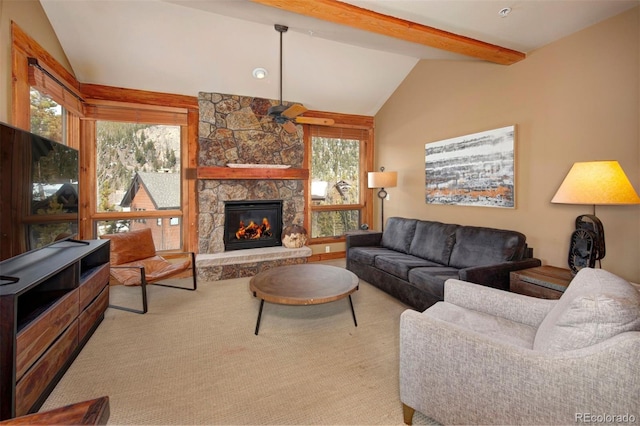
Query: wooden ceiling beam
x,y
363,19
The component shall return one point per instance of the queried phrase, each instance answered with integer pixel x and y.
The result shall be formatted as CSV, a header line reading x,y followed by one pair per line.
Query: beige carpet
x,y
194,359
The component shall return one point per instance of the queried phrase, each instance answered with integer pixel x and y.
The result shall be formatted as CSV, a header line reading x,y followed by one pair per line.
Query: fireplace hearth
x,y
252,224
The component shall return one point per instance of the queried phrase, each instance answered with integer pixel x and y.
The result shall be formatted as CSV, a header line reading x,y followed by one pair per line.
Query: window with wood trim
x,y
138,171
55,107
338,158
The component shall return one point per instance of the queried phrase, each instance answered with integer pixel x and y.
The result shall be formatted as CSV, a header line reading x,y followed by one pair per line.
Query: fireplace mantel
x,y
212,172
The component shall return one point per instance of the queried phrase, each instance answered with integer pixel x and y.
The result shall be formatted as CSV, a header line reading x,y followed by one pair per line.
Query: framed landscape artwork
x,y
472,170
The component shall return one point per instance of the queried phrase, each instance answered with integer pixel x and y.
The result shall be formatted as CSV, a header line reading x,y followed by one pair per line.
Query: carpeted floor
x,y
194,359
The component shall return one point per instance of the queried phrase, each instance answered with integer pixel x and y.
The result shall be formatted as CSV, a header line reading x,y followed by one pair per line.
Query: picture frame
x,y
472,170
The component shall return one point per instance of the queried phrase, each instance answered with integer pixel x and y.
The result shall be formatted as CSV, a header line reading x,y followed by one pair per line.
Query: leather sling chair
x,y
134,261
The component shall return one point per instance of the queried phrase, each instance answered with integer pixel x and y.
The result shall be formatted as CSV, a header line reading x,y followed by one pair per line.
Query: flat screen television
x,y
39,198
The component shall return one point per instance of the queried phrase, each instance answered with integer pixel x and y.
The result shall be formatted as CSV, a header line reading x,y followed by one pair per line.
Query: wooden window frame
x,y
118,104
344,121
48,77
101,110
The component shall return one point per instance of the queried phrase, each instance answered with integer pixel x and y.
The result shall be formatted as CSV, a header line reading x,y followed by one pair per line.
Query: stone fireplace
x,y
237,130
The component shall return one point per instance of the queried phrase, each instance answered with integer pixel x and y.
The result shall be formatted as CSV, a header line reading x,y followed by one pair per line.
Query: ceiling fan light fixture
x,y
260,73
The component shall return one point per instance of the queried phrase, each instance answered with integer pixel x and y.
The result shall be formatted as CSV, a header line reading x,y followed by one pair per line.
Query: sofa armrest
x,y
496,275
512,306
363,239
457,376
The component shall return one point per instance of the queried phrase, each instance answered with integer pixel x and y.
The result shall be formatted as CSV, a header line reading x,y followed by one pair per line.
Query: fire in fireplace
x,y
252,224
253,231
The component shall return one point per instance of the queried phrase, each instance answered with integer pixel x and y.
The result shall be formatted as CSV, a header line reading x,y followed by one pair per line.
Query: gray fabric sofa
x,y
486,356
412,259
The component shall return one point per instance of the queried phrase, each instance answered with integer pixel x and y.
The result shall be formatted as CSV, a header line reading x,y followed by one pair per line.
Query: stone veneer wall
x,y
237,129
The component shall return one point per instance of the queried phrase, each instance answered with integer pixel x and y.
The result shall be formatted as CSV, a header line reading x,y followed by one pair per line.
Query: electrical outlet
x,y
327,249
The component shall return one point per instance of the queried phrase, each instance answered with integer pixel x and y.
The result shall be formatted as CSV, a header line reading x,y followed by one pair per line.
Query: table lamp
x,y
595,183
382,180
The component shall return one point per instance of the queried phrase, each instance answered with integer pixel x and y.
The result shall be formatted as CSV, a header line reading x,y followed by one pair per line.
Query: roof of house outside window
x,y
163,188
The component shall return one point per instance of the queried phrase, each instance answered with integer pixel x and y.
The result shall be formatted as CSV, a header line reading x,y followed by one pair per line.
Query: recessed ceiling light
x,y
504,11
260,73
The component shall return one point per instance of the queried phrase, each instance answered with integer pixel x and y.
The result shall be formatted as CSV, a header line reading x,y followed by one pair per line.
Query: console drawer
x,y
35,381
89,316
93,284
34,339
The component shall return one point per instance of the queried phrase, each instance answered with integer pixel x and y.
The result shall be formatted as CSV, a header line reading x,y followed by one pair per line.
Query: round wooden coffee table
x,y
304,284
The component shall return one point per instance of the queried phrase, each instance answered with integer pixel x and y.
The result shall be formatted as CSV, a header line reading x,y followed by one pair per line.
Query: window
x,y
337,156
48,118
138,170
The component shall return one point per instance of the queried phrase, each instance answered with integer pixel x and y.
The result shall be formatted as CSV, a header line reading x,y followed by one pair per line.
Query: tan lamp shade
x,y
597,183
382,179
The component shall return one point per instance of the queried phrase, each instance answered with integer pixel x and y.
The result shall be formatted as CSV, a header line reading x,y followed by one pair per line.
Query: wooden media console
x,y
51,301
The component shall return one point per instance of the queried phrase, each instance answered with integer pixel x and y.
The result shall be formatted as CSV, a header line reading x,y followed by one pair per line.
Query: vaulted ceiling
x,y
334,58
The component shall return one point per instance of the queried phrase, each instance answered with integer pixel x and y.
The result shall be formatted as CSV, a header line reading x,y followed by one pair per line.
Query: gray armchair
x,y
487,356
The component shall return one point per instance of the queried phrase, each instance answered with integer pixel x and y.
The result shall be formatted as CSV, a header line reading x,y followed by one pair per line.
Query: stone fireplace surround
x,y
237,129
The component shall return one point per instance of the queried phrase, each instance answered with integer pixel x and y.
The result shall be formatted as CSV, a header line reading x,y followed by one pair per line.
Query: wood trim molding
x,y
344,120
189,182
118,94
31,48
228,173
363,19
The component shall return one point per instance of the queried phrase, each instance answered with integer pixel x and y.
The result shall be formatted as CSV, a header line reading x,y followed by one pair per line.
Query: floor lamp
x,y
595,183
382,180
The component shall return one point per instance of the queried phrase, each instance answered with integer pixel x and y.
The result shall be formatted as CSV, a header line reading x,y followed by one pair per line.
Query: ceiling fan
x,y
289,116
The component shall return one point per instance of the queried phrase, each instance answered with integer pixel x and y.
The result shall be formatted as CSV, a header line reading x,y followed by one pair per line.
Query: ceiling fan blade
x,y
294,110
289,127
315,120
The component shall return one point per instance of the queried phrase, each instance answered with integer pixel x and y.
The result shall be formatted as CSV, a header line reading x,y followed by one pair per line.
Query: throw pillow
x,y
398,234
596,306
433,241
478,246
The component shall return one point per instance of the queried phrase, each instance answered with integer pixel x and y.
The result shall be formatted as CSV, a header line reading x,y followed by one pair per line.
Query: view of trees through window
x,y
47,117
138,169
335,186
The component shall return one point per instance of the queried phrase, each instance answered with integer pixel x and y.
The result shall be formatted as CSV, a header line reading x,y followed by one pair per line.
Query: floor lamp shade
x,y
596,183
382,180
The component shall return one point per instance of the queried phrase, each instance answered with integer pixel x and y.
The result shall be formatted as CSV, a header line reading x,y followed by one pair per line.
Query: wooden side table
x,y
545,282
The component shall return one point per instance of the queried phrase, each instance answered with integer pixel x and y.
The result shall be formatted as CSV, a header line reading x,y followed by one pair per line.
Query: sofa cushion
x,y
399,264
433,241
367,255
398,234
477,246
432,279
596,306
